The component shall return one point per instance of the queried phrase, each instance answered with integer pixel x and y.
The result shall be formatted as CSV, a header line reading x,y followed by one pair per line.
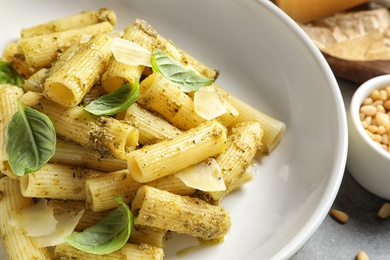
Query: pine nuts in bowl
x,y
369,130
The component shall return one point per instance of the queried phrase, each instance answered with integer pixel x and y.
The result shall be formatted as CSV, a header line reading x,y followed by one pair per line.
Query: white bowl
x,y
268,61
367,162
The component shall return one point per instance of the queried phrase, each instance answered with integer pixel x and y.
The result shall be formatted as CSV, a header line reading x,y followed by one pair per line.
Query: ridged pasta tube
x,y
69,84
102,189
152,128
273,128
9,94
75,21
128,251
41,51
182,214
162,96
17,244
244,141
57,181
170,156
107,136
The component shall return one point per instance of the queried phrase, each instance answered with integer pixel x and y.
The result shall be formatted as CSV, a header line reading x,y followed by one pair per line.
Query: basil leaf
x,y
108,235
30,140
188,79
8,74
115,102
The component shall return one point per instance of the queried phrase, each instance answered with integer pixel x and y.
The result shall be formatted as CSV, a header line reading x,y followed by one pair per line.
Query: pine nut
x,y
384,211
340,216
381,108
361,255
368,110
383,94
381,130
372,128
368,120
378,103
387,104
369,101
378,138
375,116
383,119
375,95
385,139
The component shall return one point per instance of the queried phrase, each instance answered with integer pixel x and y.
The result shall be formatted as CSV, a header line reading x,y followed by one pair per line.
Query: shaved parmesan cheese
x,y
39,222
85,38
66,224
35,220
130,53
208,104
203,176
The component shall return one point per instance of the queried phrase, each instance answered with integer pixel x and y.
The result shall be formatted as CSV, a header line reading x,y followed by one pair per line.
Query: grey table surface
x,y
364,230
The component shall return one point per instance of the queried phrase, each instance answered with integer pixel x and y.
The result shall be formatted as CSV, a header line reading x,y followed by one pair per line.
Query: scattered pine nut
x,y
361,255
340,216
384,211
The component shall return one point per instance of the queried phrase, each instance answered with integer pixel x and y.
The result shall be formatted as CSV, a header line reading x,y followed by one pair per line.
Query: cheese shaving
x,y
39,222
208,104
130,53
205,176
35,220
66,224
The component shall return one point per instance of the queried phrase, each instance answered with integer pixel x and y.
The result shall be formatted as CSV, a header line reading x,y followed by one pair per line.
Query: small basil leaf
x,y
8,74
30,140
108,235
188,79
115,102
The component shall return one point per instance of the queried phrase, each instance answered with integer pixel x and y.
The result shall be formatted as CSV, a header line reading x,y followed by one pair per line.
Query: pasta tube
x,y
56,181
70,153
160,95
152,129
9,94
182,214
148,235
107,136
88,218
169,156
273,128
243,143
12,54
102,189
68,85
170,48
71,22
119,73
128,251
17,245
41,51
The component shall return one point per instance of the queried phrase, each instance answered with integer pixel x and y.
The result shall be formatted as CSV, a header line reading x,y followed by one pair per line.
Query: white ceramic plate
x,y
266,60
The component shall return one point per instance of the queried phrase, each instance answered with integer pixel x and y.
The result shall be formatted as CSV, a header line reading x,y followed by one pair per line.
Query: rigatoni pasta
x,y
110,137
69,91
132,160
128,251
17,244
167,157
41,51
80,20
9,94
183,214
57,181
